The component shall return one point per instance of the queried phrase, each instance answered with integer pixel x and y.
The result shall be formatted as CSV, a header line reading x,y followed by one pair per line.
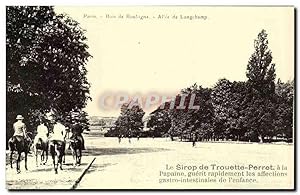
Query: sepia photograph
x,y
150,98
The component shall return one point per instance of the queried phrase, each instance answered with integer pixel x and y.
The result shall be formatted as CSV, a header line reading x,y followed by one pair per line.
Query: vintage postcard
x,y
150,97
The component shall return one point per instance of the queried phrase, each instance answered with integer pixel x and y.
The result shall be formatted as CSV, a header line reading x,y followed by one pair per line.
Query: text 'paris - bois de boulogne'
x,y
147,17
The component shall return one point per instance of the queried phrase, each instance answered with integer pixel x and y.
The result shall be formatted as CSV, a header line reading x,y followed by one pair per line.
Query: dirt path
x,y
137,165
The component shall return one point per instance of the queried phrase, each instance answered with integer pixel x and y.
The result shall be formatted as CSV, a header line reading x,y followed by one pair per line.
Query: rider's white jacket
x,y
42,132
59,132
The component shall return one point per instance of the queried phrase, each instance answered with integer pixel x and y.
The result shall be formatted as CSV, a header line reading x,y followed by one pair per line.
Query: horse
x,y
43,146
57,151
20,145
76,145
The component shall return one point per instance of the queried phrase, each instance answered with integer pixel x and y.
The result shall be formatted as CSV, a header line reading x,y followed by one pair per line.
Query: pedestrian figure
x,y
129,138
119,137
194,138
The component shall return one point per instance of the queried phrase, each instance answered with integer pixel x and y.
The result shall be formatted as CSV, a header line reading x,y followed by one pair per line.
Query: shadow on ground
x,y
66,167
31,184
99,167
116,151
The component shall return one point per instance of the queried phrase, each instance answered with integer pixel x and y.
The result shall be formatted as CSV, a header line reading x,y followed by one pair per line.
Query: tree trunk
x,y
261,139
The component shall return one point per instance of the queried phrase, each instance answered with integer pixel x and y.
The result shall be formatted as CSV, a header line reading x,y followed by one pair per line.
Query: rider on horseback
x,y
19,142
42,132
77,132
20,132
59,133
57,144
41,142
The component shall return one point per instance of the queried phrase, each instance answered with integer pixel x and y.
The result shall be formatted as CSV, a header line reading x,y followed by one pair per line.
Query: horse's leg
x,y
64,158
60,155
60,161
11,150
10,159
52,152
42,156
75,156
36,156
54,163
63,155
79,157
26,153
56,157
74,153
46,154
18,162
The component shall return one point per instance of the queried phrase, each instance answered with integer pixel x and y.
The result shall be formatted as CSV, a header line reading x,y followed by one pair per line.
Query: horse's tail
x,y
38,144
56,150
78,142
11,144
59,147
40,141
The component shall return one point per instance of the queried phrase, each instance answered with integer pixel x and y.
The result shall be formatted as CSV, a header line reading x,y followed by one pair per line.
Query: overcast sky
x,y
165,55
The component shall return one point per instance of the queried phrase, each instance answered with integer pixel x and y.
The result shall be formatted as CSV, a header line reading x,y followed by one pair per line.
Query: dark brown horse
x,y
76,145
20,145
57,151
42,147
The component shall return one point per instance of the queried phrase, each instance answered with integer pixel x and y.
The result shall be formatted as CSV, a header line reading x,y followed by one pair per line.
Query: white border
x,y
113,2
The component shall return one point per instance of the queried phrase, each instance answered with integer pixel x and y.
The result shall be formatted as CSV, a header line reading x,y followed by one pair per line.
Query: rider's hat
x,y
20,117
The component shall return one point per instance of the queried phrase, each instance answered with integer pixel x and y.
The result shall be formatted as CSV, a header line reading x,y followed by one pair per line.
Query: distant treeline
x,y
101,121
258,109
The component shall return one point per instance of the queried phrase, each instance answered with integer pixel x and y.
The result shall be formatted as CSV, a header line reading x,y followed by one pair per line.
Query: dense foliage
x,y
255,110
46,57
130,121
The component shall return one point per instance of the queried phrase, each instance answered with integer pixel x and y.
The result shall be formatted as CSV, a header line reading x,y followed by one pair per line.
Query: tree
x,y
77,121
46,56
260,112
229,101
200,121
284,108
260,69
160,121
239,103
130,121
186,121
221,100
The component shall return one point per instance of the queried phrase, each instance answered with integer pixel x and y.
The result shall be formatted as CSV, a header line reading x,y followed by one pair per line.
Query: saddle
x,y
57,145
56,142
18,138
40,144
18,141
